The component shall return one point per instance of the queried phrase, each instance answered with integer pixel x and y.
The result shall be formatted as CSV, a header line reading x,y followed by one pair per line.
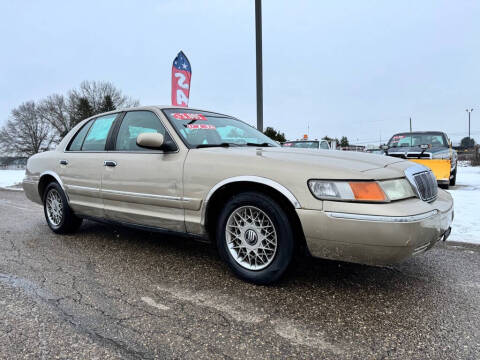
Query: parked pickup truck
x,y
430,148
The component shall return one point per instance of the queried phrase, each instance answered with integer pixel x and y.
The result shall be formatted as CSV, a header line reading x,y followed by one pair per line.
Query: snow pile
x,y
466,194
11,177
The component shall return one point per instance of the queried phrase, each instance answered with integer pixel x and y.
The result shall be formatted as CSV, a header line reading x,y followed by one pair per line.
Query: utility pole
x,y
258,35
469,111
411,141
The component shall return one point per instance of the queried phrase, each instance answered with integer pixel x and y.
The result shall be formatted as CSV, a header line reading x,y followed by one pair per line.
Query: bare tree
x,y
59,112
26,132
96,92
64,112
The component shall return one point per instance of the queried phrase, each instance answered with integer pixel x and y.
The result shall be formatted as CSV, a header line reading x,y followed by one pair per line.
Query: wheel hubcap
x,y
251,238
54,207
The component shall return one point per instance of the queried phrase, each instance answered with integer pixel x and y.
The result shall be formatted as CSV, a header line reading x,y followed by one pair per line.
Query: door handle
x,y
63,162
109,163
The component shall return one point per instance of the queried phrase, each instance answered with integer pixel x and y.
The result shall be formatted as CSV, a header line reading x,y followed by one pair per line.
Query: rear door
x,y
143,186
82,165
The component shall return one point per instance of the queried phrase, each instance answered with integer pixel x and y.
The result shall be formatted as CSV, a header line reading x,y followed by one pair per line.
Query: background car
x,y
308,144
429,148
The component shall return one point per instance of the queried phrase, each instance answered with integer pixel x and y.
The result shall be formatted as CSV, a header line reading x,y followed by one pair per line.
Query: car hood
x,y
329,163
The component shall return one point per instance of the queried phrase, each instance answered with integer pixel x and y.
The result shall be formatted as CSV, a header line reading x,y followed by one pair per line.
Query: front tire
x,y
60,218
255,237
453,180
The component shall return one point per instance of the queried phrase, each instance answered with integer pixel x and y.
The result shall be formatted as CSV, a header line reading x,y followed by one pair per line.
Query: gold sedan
x,y
216,177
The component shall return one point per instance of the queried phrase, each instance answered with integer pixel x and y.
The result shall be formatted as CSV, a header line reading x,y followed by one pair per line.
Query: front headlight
x,y
441,155
397,189
367,191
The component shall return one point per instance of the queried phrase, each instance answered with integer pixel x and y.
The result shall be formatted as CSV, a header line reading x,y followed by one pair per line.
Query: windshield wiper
x,y
224,144
260,145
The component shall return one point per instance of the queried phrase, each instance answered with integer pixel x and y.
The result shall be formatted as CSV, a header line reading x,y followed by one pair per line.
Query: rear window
x,y
76,144
302,144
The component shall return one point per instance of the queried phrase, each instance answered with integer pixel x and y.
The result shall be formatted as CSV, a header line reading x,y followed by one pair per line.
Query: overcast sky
x,y
354,68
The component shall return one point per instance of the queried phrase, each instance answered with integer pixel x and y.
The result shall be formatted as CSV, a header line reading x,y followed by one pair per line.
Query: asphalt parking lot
x,y
111,292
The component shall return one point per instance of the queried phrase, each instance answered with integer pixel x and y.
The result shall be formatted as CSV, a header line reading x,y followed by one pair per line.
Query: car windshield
x,y
302,144
204,129
417,139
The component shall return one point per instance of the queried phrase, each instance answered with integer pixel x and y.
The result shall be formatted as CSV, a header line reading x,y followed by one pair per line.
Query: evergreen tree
x,y
275,135
467,143
344,141
83,110
107,104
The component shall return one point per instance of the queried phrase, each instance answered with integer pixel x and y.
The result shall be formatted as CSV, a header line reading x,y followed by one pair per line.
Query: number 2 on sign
x,y
181,97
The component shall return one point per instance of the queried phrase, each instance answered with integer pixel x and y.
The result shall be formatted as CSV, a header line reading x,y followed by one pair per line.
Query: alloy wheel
x,y
251,238
54,206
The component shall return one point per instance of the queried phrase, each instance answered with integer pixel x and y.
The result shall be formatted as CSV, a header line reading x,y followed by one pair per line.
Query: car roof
x,y
158,107
420,133
300,141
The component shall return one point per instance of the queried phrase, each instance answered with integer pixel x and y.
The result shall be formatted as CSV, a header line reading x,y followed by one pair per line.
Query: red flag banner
x,y
181,77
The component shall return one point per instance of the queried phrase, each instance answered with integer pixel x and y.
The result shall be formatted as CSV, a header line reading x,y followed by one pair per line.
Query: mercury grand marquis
x,y
216,177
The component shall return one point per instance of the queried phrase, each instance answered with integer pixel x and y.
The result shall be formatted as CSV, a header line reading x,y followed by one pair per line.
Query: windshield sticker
x,y
398,137
201,126
287,144
188,116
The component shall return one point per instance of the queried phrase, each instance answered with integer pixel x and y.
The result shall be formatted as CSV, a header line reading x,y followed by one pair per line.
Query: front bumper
x,y
396,231
441,168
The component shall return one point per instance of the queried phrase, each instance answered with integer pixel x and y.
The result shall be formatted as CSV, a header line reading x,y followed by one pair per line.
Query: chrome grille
x,y
423,181
426,184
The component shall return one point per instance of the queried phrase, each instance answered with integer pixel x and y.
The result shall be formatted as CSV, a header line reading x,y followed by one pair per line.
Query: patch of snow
x,y
466,195
463,163
11,177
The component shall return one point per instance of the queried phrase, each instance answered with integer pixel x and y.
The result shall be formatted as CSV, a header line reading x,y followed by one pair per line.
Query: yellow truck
x,y
429,148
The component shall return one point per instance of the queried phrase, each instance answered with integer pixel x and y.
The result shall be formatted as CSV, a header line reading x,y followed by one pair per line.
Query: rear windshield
x,y
205,128
417,139
302,144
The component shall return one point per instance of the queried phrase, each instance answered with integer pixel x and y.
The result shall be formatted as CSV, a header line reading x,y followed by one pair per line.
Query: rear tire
x,y
255,237
60,218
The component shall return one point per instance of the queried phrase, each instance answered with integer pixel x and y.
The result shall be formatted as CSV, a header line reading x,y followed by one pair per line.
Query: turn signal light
x,y
367,191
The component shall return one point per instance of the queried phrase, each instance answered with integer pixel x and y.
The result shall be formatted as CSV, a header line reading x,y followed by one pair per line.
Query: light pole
x,y
469,111
258,36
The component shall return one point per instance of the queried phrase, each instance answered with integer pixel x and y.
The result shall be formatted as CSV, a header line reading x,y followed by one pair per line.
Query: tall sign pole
x,y
258,35
469,111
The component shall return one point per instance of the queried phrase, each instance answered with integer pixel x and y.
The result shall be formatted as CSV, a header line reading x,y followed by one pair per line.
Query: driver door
x,y
143,186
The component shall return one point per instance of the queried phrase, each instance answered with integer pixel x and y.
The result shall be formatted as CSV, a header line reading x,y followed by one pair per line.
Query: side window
x,y
324,145
135,123
77,142
97,136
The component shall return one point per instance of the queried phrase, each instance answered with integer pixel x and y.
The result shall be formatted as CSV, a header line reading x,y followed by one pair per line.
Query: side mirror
x,y
150,140
384,147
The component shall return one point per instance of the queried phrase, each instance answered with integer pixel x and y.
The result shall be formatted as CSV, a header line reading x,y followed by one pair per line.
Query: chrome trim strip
x,y
148,196
420,249
255,179
382,218
259,180
78,187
